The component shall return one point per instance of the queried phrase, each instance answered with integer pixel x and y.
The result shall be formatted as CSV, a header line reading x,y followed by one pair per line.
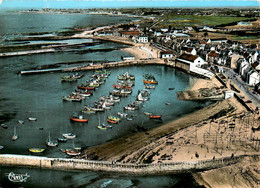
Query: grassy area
x,y
195,20
244,37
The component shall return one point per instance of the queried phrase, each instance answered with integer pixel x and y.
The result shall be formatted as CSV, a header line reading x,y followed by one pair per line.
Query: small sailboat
x,y
51,143
99,125
78,118
74,151
69,135
15,136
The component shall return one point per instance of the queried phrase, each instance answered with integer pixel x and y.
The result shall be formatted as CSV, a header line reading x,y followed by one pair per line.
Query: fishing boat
x,y
51,143
149,86
72,152
107,126
88,111
112,121
149,79
155,116
69,135
147,113
145,81
71,77
113,118
78,118
86,87
60,139
15,136
129,108
68,79
82,93
32,119
36,150
121,114
5,126
73,98
102,127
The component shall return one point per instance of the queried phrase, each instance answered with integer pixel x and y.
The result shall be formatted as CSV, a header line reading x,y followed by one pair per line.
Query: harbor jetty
x,y
117,167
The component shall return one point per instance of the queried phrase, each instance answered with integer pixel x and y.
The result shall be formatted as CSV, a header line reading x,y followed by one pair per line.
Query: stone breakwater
x,y
106,166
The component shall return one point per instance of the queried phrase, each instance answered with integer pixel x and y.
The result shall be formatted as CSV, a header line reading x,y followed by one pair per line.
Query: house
x,y
191,51
257,88
187,61
253,78
143,39
212,57
166,54
129,34
243,66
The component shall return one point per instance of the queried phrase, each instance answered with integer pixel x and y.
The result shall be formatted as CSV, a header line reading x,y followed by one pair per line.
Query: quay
x,y
117,167
148,61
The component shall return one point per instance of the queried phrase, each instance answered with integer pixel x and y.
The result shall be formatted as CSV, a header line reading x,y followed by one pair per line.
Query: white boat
x,y
1,147
51,143
129,108
121,114
15,136
69,135
32,119
4,125
20,121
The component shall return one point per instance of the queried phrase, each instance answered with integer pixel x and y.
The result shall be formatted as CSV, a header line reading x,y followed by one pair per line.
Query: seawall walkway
x,y
106,166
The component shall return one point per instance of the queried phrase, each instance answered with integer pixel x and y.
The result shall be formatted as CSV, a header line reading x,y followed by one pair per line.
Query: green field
x,y
195,20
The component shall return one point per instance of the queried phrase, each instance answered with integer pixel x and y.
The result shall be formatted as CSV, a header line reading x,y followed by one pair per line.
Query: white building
x,y
192,60
253,78
143,39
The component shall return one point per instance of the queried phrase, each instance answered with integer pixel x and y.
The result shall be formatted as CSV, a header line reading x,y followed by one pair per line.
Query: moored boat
x,y
78,118
155,116
50,143
86,87
2,147
146,81
112,121
113,118
60,139
36,150
5,126
32,119
102,127
72,152
72,98
69,135
15,136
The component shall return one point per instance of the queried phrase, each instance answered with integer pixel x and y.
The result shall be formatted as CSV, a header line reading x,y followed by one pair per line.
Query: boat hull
x,y
79,120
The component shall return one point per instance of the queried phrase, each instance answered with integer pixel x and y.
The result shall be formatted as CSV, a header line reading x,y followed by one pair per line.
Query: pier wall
x,y
106,166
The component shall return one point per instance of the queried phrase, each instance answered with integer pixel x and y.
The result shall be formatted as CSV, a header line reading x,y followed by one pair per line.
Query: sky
x,y
25,4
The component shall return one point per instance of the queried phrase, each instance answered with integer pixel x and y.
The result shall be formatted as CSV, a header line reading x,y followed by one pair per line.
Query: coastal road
x,y
253,96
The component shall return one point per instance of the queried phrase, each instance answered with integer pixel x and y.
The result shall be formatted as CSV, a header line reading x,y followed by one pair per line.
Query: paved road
x,y
254,97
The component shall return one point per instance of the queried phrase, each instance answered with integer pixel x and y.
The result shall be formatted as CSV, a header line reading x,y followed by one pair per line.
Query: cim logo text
x,y
17,178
